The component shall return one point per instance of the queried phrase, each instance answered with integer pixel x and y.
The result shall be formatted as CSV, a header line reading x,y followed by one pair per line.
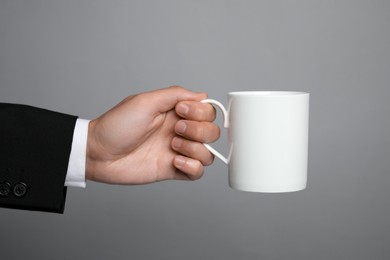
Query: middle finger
x,y
203,132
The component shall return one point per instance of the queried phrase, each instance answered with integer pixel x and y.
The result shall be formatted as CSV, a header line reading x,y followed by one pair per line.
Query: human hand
x,y
151,137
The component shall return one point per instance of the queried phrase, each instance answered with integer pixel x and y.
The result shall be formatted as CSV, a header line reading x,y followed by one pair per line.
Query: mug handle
x,y
225,125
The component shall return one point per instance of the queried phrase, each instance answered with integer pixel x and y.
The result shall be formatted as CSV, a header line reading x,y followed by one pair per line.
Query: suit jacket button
x,y
20,189
5,189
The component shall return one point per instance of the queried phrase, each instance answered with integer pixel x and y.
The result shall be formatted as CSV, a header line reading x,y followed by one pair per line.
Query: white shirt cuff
x,y
75,177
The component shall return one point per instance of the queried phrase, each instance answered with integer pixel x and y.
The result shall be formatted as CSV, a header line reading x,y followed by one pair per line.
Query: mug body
x,y
268,139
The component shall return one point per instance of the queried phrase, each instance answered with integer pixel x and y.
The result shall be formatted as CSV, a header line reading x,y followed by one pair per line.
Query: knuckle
x,y
217,132
211,112
195,170
201,133
176,87
189,148
198,173
212,133
205,112
209,160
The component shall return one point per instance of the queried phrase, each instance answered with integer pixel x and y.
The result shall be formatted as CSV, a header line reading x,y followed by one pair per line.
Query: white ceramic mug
x,y
268,140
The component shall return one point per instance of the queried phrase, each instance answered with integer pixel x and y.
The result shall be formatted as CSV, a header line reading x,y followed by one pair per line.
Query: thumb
x,y
167,98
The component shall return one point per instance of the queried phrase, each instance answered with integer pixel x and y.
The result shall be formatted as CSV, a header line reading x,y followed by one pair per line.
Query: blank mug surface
x,y
268,140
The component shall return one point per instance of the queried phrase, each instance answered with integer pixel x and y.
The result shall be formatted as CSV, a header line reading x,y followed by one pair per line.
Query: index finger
x,y
196,111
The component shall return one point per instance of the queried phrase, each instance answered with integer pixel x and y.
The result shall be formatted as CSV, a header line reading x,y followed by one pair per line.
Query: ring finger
x,y
193,150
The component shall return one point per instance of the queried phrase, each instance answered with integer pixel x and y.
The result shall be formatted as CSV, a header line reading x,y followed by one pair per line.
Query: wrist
x,y
91,154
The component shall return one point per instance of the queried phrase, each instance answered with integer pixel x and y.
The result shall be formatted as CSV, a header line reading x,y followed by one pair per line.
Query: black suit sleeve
x,y
35,145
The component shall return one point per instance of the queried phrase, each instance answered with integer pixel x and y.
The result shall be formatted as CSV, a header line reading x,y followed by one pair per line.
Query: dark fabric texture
x,y
35,145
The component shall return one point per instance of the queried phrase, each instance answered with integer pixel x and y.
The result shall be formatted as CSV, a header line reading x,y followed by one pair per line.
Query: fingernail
x,y
177,143
183,108
181,127
179,161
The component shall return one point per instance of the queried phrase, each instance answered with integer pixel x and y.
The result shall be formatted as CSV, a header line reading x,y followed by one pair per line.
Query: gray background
x,y
82,57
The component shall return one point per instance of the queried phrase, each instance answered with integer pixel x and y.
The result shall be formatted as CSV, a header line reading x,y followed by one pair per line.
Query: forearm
x,y
34,147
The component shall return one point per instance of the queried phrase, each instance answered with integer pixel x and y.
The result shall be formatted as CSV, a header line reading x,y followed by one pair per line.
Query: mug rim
x,y
267,93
